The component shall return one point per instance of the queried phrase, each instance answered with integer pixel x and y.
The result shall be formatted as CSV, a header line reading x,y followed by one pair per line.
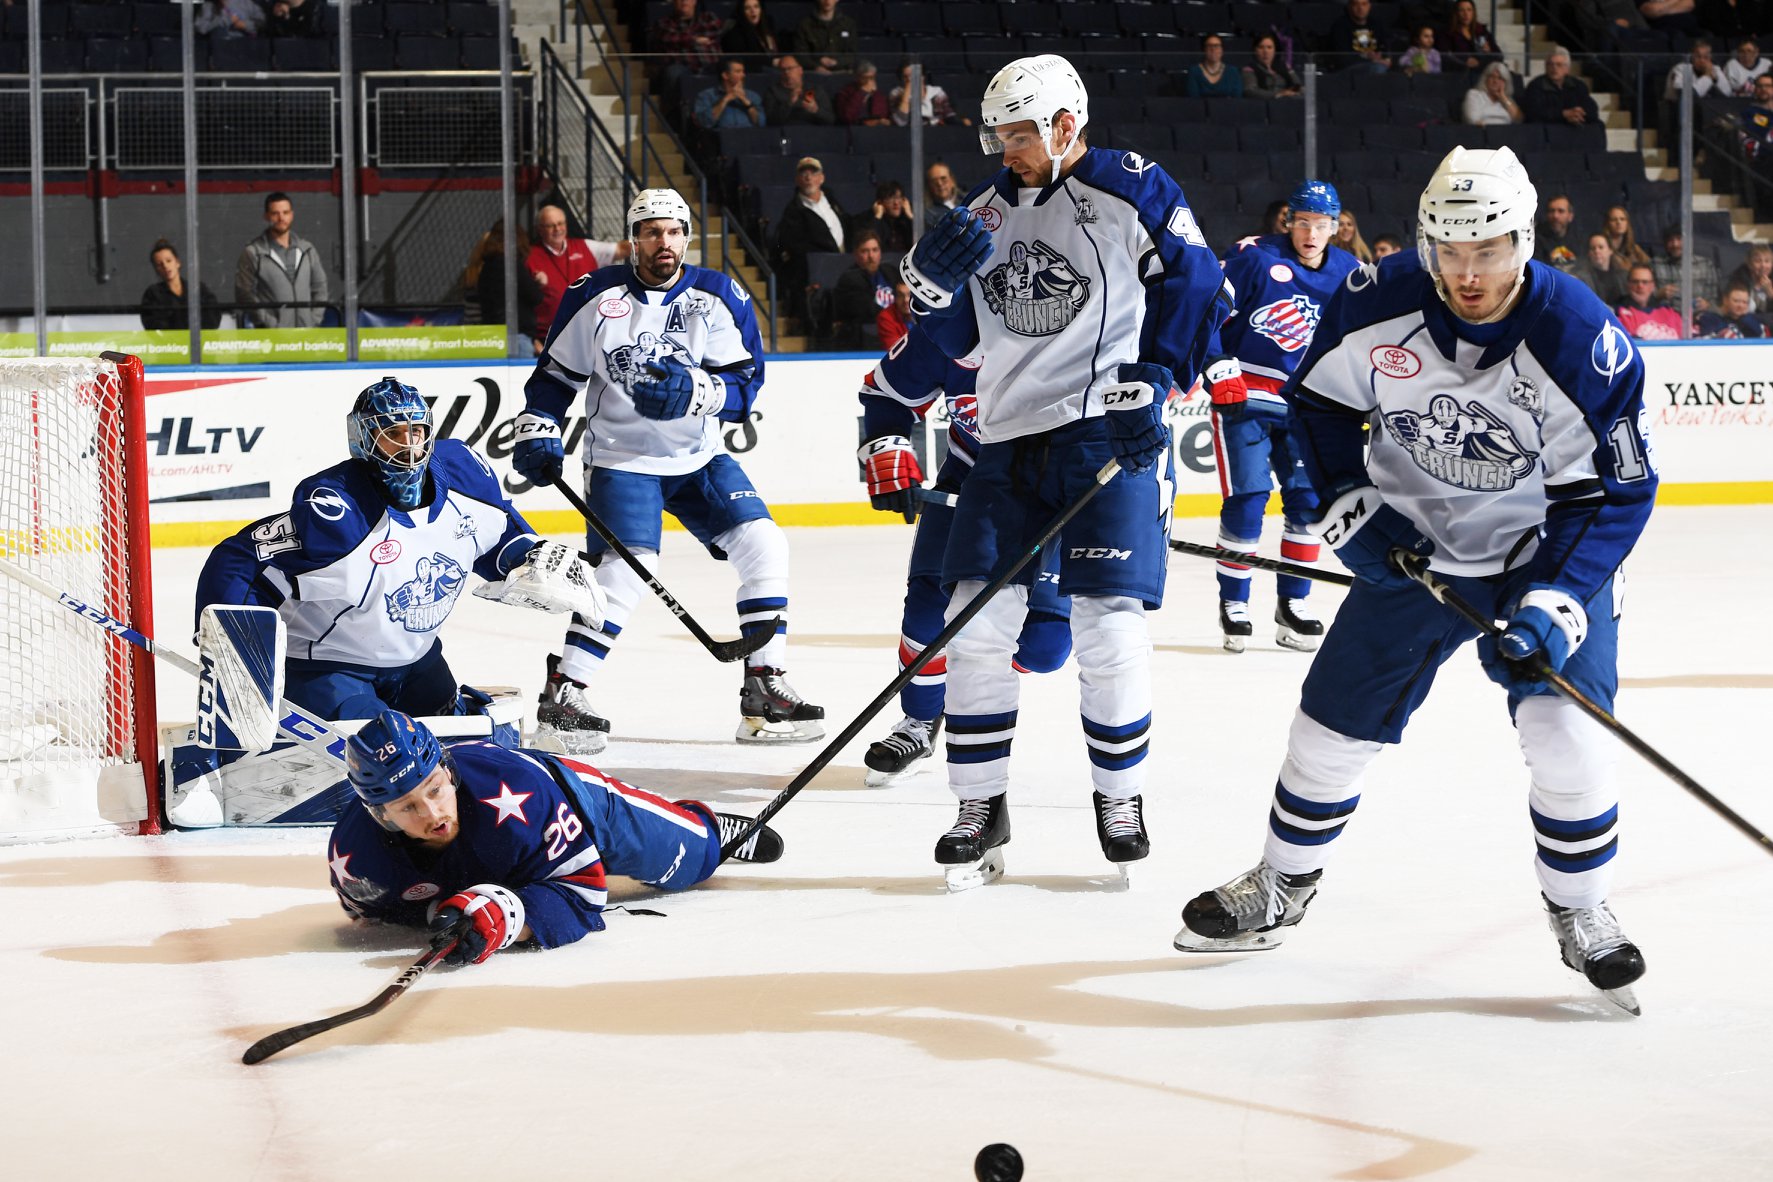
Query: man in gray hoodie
x,y
279,269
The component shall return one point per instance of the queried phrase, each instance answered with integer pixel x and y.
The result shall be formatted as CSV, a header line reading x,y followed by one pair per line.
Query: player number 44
x,y
565,828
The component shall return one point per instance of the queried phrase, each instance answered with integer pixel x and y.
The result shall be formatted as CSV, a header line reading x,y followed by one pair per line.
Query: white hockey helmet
x,y
1474,195
658,203
1036,88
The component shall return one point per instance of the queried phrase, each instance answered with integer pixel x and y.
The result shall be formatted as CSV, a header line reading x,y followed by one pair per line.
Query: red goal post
x,y
78,740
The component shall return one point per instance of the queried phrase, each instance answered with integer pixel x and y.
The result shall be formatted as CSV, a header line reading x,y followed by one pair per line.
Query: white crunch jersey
x,y
610,327
1104,268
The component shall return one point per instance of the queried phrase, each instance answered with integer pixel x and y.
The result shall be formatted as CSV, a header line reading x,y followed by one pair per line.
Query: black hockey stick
x,y
722,650
269,1045
928,654
1220,554
1416,568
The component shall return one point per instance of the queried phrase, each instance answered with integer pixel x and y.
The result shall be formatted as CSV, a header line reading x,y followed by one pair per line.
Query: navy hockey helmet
x,y
400,462
389,757
1315,197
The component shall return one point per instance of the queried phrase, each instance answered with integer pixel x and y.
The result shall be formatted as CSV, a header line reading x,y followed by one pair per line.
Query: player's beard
x,y
651,274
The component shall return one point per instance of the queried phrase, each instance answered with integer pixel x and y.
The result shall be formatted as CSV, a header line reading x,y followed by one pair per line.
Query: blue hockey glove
x,y
1548,625
479,921
1135,406
670,389
945,257
1364,530
538,454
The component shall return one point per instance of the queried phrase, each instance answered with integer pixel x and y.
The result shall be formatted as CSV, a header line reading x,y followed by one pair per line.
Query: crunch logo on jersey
x,y
627,363
1037,292
1289,323
423,602
1464,446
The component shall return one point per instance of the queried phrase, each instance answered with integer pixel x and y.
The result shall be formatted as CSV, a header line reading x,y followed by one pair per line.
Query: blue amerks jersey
x,y
901,387
1520,443
360,581
1280,303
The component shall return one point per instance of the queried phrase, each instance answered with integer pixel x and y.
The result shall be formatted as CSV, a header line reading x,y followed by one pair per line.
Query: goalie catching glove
x,y
669,389
890,467
553,578
479,921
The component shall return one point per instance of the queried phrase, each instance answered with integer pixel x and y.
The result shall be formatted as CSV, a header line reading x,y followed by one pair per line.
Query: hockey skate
x,y
971,853
565,721
1592,943
763,846
1120,827
890,759
1297,626
1250,913
771,712
1234,622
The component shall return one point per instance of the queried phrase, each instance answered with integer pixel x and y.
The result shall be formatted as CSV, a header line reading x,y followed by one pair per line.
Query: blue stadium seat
x,y
966,19
303,54
917,20
472,19
1399,137
1196,20
1358,112
370,53
114,55
239,55
1148,139
1237,112
1259,140
1365,164
420,52
156,19
100,20
1088,18
403,17
1147,20
1213,139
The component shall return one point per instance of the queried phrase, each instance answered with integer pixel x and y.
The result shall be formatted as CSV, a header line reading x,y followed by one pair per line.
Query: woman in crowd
x,y
1211,77
1468,43
1626,251
1268,76
1348,237
485,277
1488,103
165,304
750,36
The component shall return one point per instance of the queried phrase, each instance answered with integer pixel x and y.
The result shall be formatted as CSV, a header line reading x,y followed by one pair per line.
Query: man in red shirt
x,y
558,262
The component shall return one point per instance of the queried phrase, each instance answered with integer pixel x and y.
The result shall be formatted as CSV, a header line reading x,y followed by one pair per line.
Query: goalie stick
x,y
722,650
928,654
269,1045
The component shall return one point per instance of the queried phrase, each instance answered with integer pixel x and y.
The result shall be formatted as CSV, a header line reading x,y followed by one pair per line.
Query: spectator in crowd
x,y
1708,77
1276,216
1706,281
1644,315
940,193
826,40
688,42
1669,16
890,219
729,104
791,99
1267,76
1755,274
1734,318
751,37
937,107
1386,245
1211,77
1356,41
811,222
1348,237
1626,251
1553,242
1558,97
894,320
862,291
1729,19
1469,43
231,18
1421,57
295,18
1600,19
862,102
279,281
557,261
485,277
1597,271
165,304
1489,103
1741,70
1754,123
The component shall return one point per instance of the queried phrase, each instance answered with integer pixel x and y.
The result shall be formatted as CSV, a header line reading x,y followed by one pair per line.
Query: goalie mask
x,y
1036,88
390,429
1474,196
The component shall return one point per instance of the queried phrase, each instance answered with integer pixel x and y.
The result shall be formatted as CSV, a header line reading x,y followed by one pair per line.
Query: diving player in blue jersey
x,y
899,390
1081,278
1283,284
1508,448
665,353
490,847
373,554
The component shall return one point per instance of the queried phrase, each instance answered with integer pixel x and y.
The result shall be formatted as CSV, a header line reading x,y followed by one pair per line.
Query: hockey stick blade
x,y
269,1045
730,650
1220,554
929,653
1416,567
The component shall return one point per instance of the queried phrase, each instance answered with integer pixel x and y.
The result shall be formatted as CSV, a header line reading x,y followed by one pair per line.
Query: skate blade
x,y
875,779
547,738
1625,998
1123,879
1189,940
974,874
1287,638
763,731
1234,644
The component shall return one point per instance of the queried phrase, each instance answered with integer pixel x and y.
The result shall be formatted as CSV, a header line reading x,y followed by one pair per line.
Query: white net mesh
x,y
67,714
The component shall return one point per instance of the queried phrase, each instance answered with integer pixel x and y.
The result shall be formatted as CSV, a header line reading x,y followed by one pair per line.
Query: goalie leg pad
x,y
241,685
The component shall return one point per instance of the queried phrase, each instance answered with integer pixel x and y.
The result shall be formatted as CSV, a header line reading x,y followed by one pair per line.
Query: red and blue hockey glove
x,y
945,257
1135,413
890,468
1225,386
479,921
537,453
1364,530
1548,625
670,389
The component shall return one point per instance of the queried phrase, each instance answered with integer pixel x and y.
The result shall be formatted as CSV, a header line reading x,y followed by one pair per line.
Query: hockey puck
x,y
998,1163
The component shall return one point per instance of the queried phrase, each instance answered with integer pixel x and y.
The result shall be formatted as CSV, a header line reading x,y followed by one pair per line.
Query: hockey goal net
x,y
77,734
